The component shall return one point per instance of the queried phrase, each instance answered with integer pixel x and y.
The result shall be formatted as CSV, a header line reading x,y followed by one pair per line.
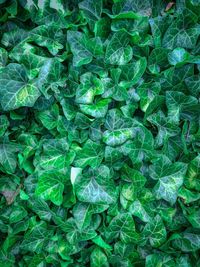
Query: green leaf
x,y
89,87
187,242
4,123
177,103
132,72
55,155
170,178
3,57
122,226
83,214
97,110
178,57
193,84
98,258
16,90
35,239
96,187
49,117
91,10
141,148
119,129
192,181
99,133
155,232
138,209
91,155
118,51
182,32
159,260
158,58
49,37
165,128
83,47
8,158
51,186
129,9
147,93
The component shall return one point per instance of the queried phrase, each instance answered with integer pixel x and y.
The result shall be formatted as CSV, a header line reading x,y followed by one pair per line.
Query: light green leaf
x,y
138,210
147,93
51,186
97,110
89,87
55,155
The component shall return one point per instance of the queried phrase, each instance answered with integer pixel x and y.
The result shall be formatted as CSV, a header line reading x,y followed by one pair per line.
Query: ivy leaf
x,y
16,90
8,157
83,47
155,232
177,102
96,187
55,155
92,10
165,128
35,239
182,32
187,242
119,129
193,84
141,147
178,57
51,186
118,51
49,37
4,123
122,226
97,110
98,258
170,178
91,155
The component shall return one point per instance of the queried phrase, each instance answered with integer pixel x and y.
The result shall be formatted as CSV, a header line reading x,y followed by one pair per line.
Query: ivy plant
x,y
99,133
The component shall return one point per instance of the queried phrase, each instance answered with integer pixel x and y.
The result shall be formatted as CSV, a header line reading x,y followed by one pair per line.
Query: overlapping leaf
x,y
99,133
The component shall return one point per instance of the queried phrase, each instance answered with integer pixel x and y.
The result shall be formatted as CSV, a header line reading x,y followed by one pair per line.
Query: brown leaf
x,y
11,195
169,6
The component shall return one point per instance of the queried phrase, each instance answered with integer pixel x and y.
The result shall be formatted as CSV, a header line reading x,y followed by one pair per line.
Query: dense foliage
x,y
99,133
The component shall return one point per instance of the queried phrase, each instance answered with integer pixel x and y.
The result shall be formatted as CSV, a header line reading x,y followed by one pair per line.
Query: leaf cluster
x,y
99,133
